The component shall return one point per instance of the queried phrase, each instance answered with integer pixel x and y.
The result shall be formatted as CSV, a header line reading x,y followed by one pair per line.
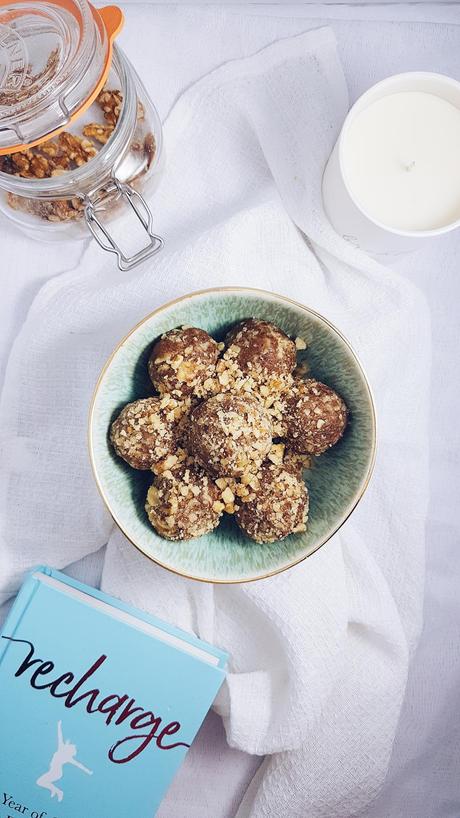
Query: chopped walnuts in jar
x,y
68,151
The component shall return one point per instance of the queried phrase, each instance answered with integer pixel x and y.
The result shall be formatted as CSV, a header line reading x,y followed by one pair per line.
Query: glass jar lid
x,y
54,59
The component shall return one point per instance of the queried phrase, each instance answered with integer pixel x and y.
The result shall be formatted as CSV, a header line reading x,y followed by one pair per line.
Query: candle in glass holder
x,y
393,178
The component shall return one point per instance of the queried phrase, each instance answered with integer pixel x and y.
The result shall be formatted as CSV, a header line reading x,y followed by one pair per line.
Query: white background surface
x,y
374,41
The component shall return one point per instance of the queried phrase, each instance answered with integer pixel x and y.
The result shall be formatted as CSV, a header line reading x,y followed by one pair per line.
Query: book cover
x,y
99,702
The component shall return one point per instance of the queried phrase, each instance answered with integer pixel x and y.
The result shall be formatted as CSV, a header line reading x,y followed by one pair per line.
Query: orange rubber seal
x,y
110,21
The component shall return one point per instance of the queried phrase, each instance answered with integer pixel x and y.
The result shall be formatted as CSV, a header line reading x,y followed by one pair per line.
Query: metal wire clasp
x,y
107,242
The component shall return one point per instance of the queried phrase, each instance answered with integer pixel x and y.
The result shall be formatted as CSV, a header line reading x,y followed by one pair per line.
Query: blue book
x,y
99,702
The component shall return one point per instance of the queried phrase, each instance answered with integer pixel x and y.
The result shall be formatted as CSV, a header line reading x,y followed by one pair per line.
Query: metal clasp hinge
x,y
107,242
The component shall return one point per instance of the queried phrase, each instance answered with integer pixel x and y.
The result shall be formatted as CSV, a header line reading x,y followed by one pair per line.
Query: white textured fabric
x,y
319,654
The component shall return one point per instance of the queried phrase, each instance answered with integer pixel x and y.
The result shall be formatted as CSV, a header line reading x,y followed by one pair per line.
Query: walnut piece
x,y
101,133
111,102
77,148
60,210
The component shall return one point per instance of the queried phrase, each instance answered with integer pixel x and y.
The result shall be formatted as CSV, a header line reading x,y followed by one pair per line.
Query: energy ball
x,y
316,417
183,362
230,435
279,508
184,504
143,433
260,349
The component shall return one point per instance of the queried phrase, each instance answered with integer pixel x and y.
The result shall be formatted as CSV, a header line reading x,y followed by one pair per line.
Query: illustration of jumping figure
x,y
65,754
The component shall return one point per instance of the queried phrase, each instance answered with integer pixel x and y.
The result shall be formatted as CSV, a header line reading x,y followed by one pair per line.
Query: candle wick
x,y
410,166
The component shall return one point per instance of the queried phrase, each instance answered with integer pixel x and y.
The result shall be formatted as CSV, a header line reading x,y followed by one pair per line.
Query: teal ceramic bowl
x,y
336,481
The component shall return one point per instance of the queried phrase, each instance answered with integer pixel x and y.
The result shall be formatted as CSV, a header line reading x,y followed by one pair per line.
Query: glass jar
x,y
80,140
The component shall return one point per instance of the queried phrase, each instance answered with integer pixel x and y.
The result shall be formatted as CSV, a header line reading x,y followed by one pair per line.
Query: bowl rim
x,y
271,296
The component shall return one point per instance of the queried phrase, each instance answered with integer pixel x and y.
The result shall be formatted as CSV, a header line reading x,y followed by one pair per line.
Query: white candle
x,y
394,175
402,161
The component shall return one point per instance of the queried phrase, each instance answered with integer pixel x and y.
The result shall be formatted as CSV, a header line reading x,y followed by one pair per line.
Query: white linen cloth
x,y
319,654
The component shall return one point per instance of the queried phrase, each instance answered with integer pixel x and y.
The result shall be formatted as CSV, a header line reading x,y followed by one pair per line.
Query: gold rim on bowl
x,y
273,297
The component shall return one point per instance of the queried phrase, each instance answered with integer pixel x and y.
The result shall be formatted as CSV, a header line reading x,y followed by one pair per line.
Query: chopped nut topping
x,y
222,421
276,453
228,496
184,504
183,363
229,434
316,417
137,440
171,461
279,507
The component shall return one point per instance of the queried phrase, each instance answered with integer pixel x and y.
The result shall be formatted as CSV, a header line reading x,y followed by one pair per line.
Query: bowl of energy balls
x,y
231,433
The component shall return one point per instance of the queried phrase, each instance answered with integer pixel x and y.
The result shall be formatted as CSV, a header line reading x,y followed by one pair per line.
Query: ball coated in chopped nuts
x,y
316,417
184,504
279,508
142,434
230,435
260,349
183,361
